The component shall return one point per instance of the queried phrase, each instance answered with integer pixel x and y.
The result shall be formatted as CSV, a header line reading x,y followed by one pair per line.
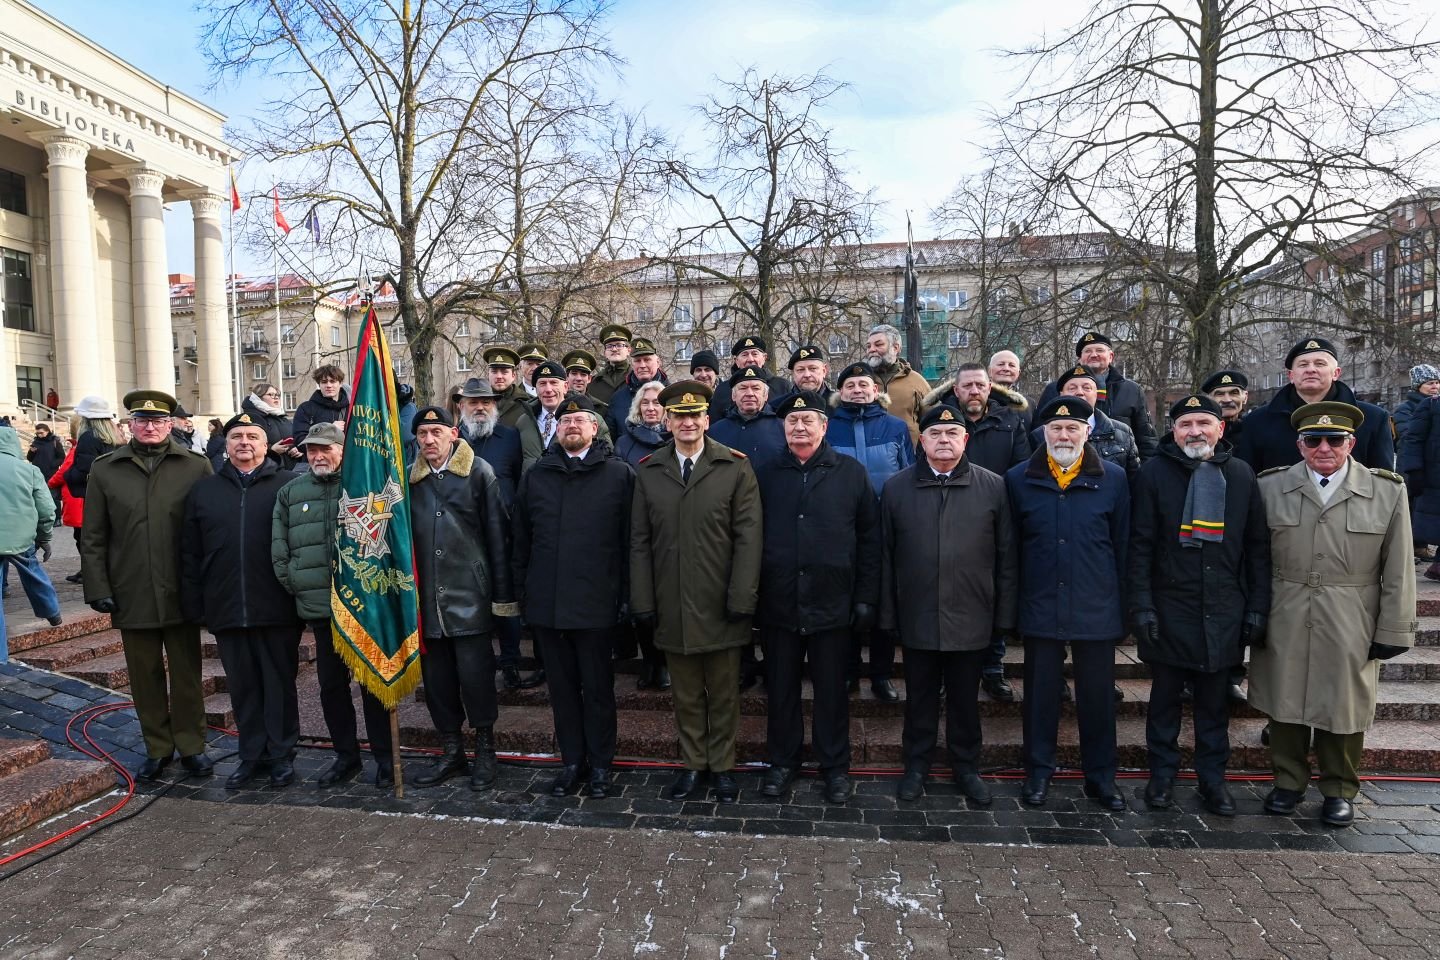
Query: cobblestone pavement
x,y
231,880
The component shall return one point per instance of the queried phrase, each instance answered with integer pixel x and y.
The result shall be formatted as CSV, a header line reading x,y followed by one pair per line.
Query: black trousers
x,y
1212,722
338,707
828,653
959,672
459,675
882,655
507,631
260,668
1094,705
581,679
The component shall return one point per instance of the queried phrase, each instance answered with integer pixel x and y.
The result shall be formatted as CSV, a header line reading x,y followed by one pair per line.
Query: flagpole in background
x,y
284,227
234,310
910,312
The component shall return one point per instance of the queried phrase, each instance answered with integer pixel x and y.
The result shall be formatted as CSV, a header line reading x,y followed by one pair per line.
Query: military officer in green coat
x,y
130,552
513,402
615,344
695,544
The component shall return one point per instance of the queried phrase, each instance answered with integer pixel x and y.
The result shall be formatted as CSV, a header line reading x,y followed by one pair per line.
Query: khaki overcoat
x,y
1342,576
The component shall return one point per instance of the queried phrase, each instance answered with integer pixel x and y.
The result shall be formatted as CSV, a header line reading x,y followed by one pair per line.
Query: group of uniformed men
x,y
803,513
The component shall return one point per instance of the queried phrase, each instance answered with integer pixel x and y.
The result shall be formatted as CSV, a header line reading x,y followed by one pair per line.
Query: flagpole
x,y
234,310
279,372
399,774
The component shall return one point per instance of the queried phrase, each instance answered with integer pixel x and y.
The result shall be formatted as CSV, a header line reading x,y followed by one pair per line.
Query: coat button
x,y
1322,519
1062,540
439,513
439,553
439,589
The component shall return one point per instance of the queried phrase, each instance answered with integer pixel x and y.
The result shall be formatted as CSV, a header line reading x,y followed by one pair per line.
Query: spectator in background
x,y
47,453
27,517
406,395
705,368
52,399
268,410
643,430
95,434
1424,384
1420,462
330,403
183,430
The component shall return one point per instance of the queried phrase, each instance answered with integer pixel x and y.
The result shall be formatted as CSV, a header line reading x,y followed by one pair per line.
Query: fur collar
x,y
998,394
462,461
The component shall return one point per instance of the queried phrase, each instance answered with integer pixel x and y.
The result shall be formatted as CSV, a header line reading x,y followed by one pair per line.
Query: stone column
x,y
72,272
212,328
150,292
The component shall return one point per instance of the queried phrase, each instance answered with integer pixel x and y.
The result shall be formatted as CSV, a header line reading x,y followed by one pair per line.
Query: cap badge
x,y
148,405
688,398
1089,338
804,354
245,418
1062,411
1324,421
432,415
799,403
1193,402
572,407
1313,345
946,415
1080,371
1226,379
747,342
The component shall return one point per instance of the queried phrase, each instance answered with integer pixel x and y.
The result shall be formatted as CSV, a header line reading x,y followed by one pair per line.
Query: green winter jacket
x,y
302,541
27,511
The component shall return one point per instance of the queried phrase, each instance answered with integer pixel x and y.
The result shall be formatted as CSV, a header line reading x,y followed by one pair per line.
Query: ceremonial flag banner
x,y
374,607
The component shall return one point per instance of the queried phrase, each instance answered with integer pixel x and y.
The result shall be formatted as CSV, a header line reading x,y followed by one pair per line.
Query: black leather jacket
x,y
462,545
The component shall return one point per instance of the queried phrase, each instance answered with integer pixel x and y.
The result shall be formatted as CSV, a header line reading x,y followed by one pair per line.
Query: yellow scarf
x,y
1063,475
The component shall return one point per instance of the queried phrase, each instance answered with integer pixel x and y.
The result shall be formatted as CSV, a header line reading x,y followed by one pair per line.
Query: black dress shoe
x,y
1217,798
1035,791
515,680
197,765
1105,794
975,789
662,678
599,783
282,773
343,769
75,578
1281,801
151,769
1159,793
242,775
1066,694
838,788
1119,694
646,679
777,781
748,679
1337,812
566,780
1237,694
911,786
384,775
684,785
726,789
55,621
884,690
853,685
998,688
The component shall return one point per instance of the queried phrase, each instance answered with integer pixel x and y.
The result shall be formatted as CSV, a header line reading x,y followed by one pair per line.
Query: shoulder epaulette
x,y
645,458
1387,474
1265,473
738,455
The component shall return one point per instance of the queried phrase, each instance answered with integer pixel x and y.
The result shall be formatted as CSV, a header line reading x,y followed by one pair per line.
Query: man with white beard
x,y
1199,582
1071,510
500,447
905,386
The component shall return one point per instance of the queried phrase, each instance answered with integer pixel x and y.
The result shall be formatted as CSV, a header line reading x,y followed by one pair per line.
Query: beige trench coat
x,y
1343,576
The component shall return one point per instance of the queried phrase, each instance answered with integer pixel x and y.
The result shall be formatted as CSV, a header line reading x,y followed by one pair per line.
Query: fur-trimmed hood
x,y
998,394
836,403
462,461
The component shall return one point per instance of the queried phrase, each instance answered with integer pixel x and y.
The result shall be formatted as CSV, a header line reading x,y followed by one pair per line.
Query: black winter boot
x,y
482,774
450,762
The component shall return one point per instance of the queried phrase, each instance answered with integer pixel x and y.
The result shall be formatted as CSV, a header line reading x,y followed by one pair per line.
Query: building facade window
x,y
288,399
462,363
17,296
957,299
28,385
335,337
839,345
12,193
645,315
258,371
462,327
959,338
287,334
289,368
683,350
177,376
683,320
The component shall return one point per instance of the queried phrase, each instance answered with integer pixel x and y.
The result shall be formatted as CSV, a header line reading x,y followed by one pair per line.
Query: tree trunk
x,y
1203,306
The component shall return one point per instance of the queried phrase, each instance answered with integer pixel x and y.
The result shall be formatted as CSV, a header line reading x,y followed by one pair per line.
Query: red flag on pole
x,y
280,220
234,192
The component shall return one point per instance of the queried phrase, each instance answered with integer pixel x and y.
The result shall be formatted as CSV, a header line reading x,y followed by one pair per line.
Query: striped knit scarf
x,y
1203,518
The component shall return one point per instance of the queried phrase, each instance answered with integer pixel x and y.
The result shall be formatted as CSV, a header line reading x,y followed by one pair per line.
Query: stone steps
x,y
35,787
62,655
111,671
81,626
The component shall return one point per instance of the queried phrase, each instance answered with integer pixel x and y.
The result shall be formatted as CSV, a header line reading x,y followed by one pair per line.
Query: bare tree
x,y
1244,126
774,192
377,115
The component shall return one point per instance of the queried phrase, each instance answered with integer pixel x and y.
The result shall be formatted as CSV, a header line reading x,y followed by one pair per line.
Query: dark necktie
x,y
685,471
1324,481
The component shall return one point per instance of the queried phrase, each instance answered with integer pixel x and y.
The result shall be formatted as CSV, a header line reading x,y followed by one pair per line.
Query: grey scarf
x,y
1203,519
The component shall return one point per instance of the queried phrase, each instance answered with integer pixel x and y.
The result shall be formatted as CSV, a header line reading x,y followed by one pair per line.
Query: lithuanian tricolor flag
x,y
374,608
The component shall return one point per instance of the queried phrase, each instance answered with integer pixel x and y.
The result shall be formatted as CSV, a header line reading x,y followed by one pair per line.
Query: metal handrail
x,y
38,411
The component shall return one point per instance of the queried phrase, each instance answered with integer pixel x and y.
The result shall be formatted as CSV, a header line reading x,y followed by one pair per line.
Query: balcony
x,y
255,347
191,354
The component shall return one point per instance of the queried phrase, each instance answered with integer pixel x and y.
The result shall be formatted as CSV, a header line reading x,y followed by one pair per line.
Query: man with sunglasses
x,y
1343,598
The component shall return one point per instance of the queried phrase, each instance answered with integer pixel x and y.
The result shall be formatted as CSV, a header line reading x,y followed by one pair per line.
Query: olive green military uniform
x,y
130,551
695,562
